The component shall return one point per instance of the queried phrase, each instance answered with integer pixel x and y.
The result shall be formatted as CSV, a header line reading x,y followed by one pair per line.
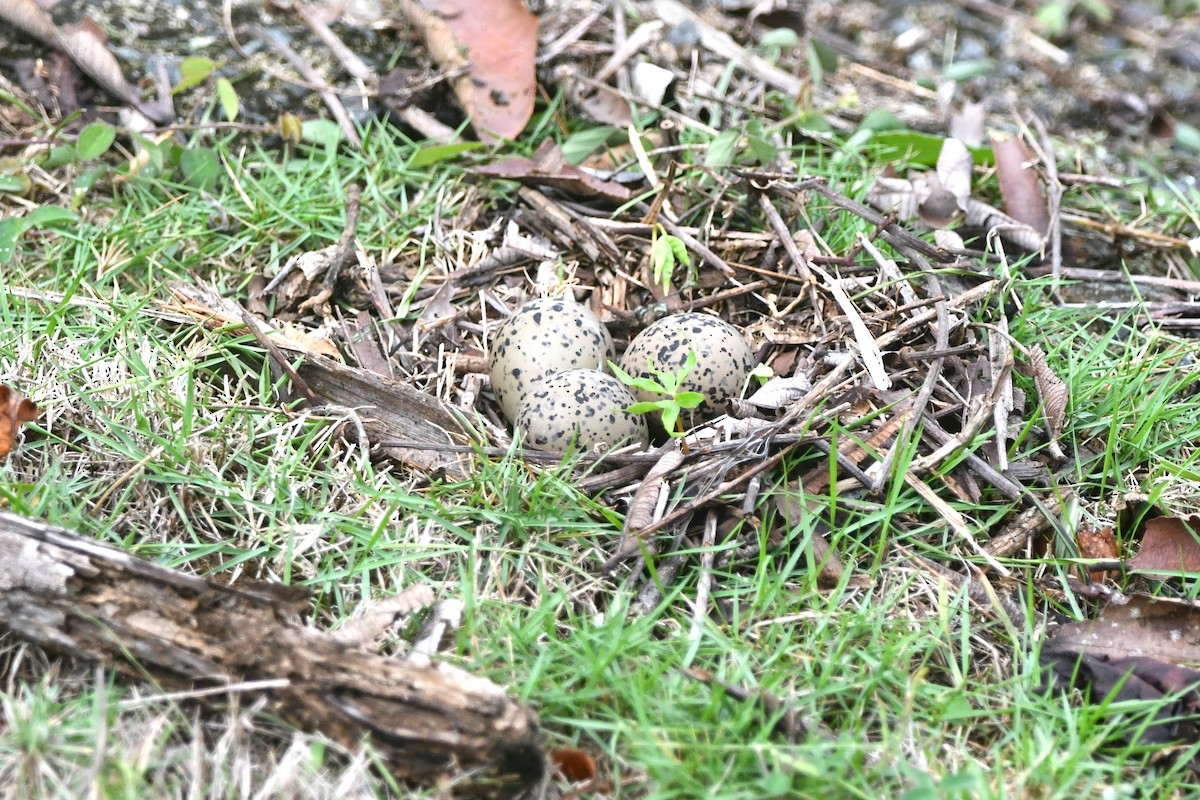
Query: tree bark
x,y
91,601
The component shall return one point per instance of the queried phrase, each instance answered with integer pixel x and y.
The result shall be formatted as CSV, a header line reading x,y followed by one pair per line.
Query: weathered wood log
x,y
91,601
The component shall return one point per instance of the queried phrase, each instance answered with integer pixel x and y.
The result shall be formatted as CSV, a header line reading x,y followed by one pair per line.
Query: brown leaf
x,y
1166,630
824,555
549,168
15,408
1053,392
1098,543
1019,187
496,42
1139,679
1170,545
574,764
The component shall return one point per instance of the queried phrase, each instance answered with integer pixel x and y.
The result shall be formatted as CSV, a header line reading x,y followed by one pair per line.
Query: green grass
x,y
165,438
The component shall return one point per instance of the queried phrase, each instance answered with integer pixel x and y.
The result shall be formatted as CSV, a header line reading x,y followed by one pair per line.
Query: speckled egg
x,y
541,338
579,403
723,359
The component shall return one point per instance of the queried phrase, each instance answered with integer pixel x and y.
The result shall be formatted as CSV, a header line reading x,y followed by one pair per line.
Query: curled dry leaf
x,y
379,615
1054,396
1019,185
84,45
954,166
779,392
15,409
643,506
495,43
1098,543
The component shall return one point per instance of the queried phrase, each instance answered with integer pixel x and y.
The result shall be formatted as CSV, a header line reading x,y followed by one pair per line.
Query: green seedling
x,y
665,252
666,386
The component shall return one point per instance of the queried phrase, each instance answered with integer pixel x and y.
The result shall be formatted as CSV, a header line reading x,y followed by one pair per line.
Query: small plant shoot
x,y
665,252
666,386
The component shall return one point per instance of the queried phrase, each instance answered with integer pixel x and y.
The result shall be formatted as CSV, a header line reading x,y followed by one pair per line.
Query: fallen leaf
x,y
1108,680
1169,545
1019,187
574,764
15,408
495,43
1149,627
1097,543
548,167
84,45
1053,392
954,166
379,615
779,392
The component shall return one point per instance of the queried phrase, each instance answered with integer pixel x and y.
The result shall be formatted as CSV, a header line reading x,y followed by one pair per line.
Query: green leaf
x,y
779,39
83,184
321,131
193,70
1187,136
880,120
14,182
60,155
824,54
227,96
434,154
678,249
644,384
688,399
645,407
963,71
764,149
922,148
200,167
581,144
94,140
1053,18
721,149
43,217
670,416
662,260
10,231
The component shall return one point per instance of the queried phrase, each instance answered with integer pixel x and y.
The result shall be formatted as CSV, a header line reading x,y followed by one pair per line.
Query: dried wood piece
x,y
90,601
389,410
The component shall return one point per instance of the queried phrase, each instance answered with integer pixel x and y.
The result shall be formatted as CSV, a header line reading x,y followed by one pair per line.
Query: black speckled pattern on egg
x,y
541,338
583,403
723,359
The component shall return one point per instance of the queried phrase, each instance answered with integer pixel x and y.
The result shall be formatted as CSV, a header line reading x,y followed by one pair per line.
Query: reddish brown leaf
x,y
15,408
574,764
1019,185
1169,544
1097,543
496,42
